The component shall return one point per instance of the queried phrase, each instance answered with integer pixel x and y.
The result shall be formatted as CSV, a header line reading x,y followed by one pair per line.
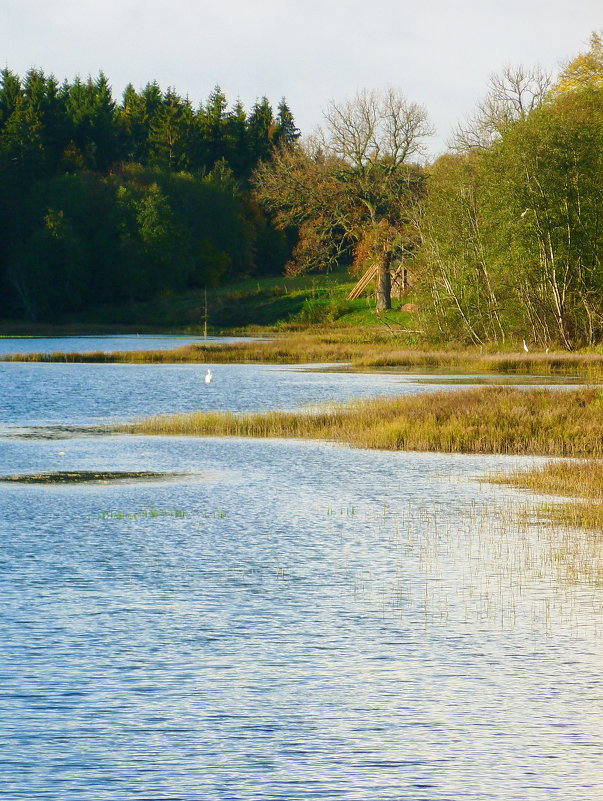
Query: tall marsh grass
x,y
362,347
580,479
497,420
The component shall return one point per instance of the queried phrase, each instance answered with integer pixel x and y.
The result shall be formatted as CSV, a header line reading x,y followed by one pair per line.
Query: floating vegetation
x,y
83,476
52,432
146,514
143,514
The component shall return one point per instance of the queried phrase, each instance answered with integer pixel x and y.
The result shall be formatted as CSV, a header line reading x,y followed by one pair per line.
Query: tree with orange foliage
x,y
351,190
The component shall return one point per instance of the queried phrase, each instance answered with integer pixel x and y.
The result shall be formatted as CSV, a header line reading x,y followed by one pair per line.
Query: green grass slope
x,y
274,303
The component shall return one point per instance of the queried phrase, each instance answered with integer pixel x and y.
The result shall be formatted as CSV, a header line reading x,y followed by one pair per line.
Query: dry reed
x,y
361,347
485,420
580,479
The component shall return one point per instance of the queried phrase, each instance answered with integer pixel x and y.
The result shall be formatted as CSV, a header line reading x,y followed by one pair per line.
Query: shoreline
x,y
486,420
358,349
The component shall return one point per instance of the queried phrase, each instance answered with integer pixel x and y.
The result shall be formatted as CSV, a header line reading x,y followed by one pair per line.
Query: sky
x,y
438,53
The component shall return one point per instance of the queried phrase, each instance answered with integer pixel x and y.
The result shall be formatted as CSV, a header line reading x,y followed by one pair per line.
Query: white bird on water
x,y
208,376
525,347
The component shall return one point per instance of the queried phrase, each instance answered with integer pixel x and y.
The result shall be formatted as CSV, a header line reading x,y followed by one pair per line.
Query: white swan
x,y
208,376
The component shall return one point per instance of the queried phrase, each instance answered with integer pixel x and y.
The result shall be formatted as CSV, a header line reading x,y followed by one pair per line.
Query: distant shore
x,y
359,347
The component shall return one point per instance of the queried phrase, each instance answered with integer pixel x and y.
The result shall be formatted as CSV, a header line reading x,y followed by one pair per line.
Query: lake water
x,y
91,344
280,620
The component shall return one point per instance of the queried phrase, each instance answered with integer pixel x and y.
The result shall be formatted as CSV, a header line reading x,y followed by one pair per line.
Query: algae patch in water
x,y
53,432
143,514
82,476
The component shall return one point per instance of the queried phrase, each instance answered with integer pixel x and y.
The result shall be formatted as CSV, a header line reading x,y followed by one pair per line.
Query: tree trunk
x,y
383,289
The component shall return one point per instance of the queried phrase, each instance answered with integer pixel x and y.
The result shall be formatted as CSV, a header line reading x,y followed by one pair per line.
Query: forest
x,y
499,239
105,202
512,228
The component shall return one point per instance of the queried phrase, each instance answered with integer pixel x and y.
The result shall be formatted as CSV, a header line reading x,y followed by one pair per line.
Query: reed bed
x,y
496,420
361,347
579,479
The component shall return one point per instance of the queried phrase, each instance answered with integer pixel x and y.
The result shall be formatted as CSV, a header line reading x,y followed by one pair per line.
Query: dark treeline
x,y
105,202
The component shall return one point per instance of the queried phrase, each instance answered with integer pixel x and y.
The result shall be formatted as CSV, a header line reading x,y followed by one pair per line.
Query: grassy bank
x,y
579,479
490,420
362,347
493,420
272,302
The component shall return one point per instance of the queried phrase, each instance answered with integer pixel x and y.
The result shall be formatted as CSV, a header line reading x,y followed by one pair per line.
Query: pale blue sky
x,y
438,53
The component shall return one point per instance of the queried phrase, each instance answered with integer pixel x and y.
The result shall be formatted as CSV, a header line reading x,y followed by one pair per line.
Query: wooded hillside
x,y
110,202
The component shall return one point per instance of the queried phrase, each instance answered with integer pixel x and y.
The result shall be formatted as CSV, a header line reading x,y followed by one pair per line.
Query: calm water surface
x,y
91,344
287,620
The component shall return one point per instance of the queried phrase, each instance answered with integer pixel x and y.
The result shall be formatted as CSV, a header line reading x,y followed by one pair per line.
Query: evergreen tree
x,y
170,133
90,111
261,128
237,141
212,120
102,202
286,132
10,94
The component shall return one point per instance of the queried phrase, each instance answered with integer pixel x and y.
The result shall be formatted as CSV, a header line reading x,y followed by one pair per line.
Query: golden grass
x,y
497,420
580,479
361,347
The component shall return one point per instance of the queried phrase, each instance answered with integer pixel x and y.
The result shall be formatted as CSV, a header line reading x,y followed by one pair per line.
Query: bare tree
x,y
512,95
374,128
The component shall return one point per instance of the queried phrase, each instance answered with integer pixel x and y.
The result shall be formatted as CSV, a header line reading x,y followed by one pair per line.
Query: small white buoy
x,y
208,376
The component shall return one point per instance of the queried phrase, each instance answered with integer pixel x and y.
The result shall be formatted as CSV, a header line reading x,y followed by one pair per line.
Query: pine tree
x,y
213,128
286,132
261,129
237,141
170,132
91,113
10,94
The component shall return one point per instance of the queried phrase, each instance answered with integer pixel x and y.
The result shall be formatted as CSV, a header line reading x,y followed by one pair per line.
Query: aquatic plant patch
x,y
82,476
580,479
142,514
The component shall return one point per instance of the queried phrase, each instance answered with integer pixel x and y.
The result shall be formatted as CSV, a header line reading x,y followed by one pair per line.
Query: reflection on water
x,y
440,375
280,620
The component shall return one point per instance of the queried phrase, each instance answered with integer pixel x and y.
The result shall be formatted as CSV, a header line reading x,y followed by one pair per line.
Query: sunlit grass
x,y
580,479
362,347
497,420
